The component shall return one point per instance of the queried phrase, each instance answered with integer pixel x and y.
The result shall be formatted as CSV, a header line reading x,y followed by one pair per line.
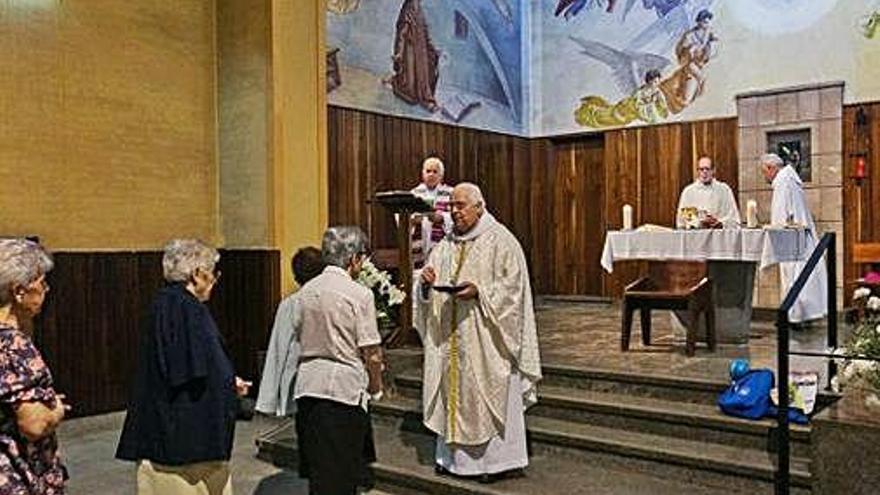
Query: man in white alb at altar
x,y
480,343
789,206
711,196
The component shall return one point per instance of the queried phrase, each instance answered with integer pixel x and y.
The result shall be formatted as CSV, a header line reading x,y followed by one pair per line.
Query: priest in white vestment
x,y
710,196
481,346
789,206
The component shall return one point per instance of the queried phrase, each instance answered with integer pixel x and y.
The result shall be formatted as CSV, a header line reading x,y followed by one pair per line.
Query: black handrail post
x,y
782,452
831,269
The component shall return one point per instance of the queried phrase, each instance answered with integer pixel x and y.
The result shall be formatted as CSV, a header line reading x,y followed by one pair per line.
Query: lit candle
x,y
627,217
751,213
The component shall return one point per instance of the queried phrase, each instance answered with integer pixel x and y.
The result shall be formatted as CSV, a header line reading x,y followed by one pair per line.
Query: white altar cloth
x,y
766,247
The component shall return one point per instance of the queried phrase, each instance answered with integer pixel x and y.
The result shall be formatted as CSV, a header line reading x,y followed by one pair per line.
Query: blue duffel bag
x,y
749,395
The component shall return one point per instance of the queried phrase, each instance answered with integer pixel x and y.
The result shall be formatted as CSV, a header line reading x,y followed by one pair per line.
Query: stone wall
x,y
818,109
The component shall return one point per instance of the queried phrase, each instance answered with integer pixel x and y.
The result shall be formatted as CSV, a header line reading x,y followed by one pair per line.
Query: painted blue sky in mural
x,y
457,61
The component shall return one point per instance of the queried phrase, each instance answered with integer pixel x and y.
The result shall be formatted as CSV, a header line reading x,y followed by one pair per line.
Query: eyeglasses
x,y
704,169
215,274
39,285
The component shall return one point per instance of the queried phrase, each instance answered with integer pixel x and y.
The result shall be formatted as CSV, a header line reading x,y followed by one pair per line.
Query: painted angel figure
x,y
694,50
647,104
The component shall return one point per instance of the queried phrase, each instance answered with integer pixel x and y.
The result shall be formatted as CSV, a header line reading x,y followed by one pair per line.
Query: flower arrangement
x,y
385,294
863,342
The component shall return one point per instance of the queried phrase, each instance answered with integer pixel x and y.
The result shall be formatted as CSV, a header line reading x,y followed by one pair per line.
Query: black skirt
x,y
335,446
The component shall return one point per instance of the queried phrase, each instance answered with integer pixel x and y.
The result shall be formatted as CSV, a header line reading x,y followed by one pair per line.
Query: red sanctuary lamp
x,y
860,171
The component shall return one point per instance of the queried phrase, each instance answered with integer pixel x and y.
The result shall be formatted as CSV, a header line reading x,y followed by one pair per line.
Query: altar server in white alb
x,y
789,206
481,345
711,196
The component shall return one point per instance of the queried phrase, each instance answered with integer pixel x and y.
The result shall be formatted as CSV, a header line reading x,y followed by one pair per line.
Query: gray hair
x,y
21,263
772,159
472,192
341,243
433,159
183,256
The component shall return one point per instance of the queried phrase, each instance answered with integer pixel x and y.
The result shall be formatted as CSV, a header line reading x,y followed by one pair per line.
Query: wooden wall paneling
x,y
244,304
646,167
91,322
687,162
860,199
719,140
560,213
576,214
623,175
540,193
590,206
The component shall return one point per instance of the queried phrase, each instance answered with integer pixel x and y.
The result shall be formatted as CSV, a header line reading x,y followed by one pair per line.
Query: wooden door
x,y
577,215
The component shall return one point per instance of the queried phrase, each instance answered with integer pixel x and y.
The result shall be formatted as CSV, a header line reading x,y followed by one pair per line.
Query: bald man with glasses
x,y
712,199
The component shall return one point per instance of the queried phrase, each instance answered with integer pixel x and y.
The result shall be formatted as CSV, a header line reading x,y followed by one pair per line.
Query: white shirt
x,y
337,319
282,359
716,198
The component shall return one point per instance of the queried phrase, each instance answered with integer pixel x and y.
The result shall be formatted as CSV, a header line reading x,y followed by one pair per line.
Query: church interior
x,y
254,125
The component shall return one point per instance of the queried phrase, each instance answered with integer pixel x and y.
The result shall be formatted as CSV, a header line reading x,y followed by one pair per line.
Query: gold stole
x,y
453,372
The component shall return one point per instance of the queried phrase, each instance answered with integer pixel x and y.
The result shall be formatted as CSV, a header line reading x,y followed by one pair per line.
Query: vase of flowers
x,y
864,342
386,295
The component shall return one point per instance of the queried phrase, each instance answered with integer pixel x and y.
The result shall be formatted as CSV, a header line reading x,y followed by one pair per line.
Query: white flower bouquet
x,y
385,294
863,342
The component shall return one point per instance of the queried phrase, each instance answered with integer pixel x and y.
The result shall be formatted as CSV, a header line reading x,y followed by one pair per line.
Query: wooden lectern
x,y
404,204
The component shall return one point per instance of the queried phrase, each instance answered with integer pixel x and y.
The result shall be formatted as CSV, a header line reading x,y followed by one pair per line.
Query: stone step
x,y
405,467
692,421
667,387
636,383
671,388
707,463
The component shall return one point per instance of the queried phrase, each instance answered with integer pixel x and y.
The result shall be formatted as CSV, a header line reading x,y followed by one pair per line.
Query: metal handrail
x,y
827,246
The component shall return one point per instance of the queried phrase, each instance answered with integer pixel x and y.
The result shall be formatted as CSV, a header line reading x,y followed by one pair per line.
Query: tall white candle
x,y
751,213
627,217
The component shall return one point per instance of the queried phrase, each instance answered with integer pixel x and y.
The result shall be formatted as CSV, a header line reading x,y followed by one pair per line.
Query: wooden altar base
x,y
607,422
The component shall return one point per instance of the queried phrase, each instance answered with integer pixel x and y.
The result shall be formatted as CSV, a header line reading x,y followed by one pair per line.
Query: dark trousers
x,y
335,446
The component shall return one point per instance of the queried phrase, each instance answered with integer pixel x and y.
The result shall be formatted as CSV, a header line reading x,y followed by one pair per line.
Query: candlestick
x,y
627,217
751,213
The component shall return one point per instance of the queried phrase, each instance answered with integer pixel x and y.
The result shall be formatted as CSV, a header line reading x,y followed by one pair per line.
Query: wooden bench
x,y
670,285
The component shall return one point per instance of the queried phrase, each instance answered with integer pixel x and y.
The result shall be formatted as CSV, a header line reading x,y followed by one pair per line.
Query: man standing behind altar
x,y
431,227
709,195
789,206
480,343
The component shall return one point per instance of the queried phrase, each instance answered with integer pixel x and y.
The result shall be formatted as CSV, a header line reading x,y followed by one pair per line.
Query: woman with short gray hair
x,y
31,408
340,369
184,256
181,419
340,244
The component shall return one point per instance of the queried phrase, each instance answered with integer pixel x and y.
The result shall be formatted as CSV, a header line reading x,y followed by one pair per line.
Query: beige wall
x,y
127,123
107,134
299,128
243,99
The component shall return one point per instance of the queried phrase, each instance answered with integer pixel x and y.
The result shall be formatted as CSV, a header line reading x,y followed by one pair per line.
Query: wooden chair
x,y
671,285
866,253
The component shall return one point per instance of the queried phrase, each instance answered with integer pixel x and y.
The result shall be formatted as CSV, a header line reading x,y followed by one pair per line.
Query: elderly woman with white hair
x,y
31,409
181,419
